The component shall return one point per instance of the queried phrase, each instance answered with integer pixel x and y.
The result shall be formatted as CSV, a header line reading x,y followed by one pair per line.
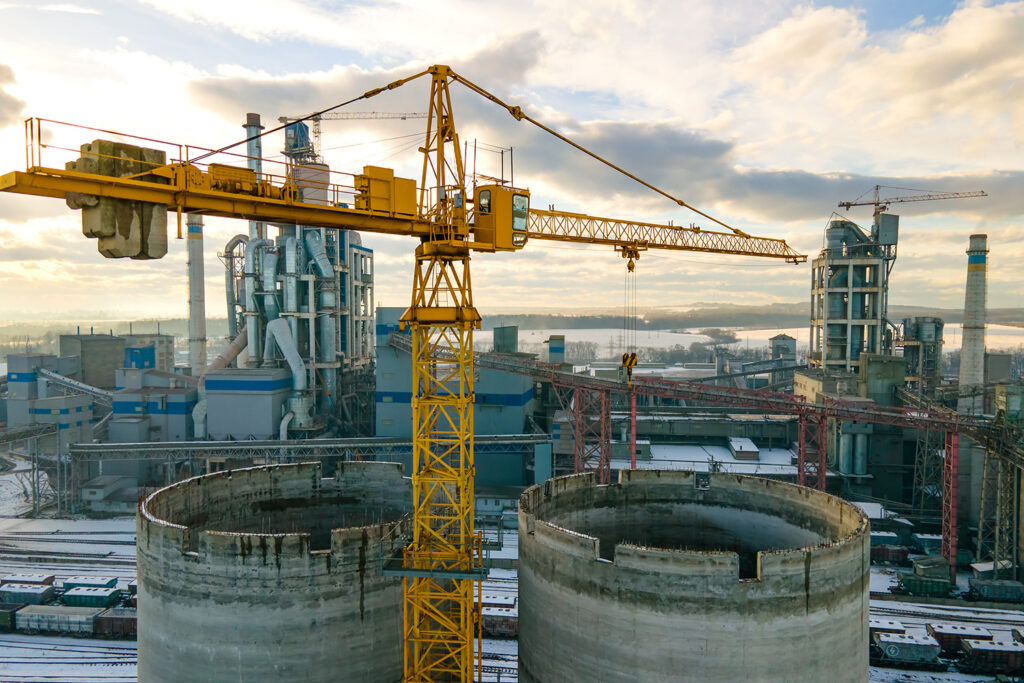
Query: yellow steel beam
x,y
576,227
50,182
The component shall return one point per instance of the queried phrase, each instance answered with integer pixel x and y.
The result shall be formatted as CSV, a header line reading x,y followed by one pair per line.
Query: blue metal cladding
x,y
152,408
214,384
140,357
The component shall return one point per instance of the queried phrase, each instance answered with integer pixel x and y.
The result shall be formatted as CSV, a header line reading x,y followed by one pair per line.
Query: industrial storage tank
x,y
677,576
272,574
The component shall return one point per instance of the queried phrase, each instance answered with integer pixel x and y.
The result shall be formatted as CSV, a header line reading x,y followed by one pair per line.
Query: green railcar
x,y
932,587
91,597
7,610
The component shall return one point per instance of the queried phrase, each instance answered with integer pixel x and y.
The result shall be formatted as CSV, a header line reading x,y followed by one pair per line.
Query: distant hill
x,y
779,315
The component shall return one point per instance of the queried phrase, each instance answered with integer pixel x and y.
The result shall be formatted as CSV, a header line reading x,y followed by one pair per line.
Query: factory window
x,y
387,399
386,422
485,201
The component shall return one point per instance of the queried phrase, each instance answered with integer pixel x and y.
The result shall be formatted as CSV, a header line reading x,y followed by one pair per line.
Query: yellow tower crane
x,y
126,191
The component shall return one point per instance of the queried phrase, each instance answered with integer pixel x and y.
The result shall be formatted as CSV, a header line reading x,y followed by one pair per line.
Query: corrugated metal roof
x,y
60,609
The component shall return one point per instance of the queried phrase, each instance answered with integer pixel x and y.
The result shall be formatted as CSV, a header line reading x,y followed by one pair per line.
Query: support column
x,y
949,503
443,563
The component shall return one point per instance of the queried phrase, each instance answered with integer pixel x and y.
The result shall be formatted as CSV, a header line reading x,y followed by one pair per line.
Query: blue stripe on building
x,y
386,329
151,408
40,411
975,258
243,385
481,399
21,377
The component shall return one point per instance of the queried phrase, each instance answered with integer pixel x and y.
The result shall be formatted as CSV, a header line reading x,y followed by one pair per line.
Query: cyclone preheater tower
x,y
677,576
272,574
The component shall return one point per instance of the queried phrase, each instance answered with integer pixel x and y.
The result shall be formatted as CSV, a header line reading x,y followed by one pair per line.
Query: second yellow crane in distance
x,y
442,564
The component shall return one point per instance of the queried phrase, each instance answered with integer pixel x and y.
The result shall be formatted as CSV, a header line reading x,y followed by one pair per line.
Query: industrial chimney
x,y
972,350
196,296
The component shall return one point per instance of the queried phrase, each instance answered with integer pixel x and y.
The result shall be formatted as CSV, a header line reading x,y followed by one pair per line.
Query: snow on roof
x,y
26,587
773,461
872,510
960,630
876,623
739,443
994,645
915,638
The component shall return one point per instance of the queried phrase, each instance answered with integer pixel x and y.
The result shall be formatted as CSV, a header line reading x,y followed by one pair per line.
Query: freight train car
x,y
27,593
992,657
890,554
951,636
996,590
906,650
56,619
500,622
117,622
7,610
91,597
912,584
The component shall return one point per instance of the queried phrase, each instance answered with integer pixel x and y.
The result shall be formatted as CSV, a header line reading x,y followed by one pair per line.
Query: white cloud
x,y
69,8
767,113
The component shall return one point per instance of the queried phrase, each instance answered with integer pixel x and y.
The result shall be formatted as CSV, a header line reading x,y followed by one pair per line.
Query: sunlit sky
x,y
764,114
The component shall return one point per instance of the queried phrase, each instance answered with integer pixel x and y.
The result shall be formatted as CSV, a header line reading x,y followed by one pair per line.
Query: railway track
x,y
999,620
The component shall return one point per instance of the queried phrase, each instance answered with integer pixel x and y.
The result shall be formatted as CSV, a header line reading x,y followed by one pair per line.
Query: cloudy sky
x,y
765,114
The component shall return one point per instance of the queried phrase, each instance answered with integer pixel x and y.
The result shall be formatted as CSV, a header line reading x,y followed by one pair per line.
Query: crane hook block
x,y
123,228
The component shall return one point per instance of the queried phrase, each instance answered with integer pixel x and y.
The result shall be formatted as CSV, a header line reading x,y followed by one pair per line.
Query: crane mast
x,y
442,564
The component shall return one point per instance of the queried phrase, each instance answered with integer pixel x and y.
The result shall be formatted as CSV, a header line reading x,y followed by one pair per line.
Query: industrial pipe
x,y
291,285
228,354
285,421
252,316
319,254
229,281
285,341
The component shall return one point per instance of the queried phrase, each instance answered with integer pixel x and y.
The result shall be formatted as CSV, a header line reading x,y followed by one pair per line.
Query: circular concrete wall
x,y
271,574
667,577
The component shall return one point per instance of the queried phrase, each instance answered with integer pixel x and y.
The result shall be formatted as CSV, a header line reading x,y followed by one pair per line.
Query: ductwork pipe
x,y
291,282
252,316
318,253
285,341
285,421
229,281
228,354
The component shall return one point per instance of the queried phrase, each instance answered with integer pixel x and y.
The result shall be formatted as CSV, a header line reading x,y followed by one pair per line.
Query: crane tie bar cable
x,y
519,115
365,96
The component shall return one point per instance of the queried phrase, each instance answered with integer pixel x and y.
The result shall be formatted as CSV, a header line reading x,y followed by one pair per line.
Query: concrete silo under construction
x,y
272,574
672,576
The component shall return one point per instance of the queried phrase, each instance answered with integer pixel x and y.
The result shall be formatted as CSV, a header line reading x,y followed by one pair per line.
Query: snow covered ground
x,y
15,485
69,547
39,659
106,548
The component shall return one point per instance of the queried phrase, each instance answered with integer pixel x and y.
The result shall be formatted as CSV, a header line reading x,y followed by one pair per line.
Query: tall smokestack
x,y
254,152
196,296
972,350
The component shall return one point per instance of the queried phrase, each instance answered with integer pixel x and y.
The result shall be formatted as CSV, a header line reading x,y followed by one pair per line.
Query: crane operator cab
x,y
500,215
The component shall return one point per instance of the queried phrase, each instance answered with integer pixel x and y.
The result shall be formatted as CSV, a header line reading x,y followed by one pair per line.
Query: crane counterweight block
x,y
123,228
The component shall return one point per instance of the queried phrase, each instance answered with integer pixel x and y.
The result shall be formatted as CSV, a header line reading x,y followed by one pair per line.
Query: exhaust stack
x,y
972,349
